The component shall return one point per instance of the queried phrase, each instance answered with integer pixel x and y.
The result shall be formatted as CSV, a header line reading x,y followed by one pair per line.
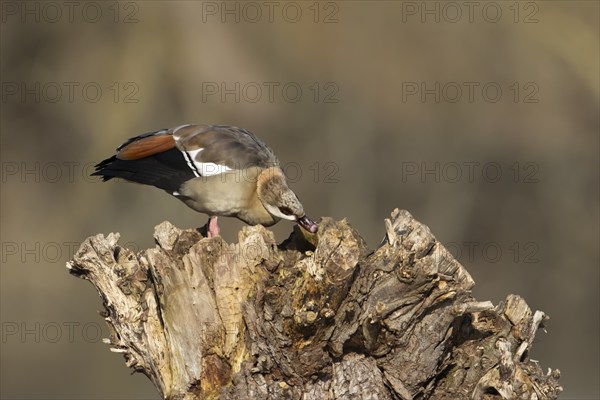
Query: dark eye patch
x,y
286,211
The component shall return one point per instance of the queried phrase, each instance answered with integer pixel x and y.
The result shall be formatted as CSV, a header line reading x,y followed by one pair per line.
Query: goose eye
x,y
286,211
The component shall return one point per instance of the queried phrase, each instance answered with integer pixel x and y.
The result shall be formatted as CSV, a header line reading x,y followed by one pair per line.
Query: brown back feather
x,y
226,145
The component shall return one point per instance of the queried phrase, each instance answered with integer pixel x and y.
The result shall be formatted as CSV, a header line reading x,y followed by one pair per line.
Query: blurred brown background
x,y
481,120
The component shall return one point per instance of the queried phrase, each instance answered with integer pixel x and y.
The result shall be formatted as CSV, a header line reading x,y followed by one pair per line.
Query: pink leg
x,y
212,227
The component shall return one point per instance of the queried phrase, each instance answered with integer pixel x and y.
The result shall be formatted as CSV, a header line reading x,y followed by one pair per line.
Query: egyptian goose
x,y
214,169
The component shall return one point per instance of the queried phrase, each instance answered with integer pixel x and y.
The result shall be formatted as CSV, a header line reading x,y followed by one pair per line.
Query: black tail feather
x,y
167,170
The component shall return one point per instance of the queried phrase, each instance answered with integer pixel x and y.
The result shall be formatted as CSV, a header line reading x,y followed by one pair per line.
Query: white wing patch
x,y
203,169
191,163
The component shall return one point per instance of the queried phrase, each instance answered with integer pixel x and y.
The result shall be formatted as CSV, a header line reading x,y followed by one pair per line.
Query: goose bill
x,y
308,224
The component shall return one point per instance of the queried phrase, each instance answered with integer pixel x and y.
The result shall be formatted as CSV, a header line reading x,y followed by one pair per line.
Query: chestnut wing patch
x,y
146,147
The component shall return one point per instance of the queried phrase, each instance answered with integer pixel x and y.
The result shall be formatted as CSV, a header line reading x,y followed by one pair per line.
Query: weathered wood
x,y
313,318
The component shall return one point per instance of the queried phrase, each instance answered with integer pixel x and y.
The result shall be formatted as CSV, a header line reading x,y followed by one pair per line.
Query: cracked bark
x,y
312,318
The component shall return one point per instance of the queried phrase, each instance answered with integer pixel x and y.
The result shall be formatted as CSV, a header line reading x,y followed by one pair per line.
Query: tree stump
x,y
311,318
